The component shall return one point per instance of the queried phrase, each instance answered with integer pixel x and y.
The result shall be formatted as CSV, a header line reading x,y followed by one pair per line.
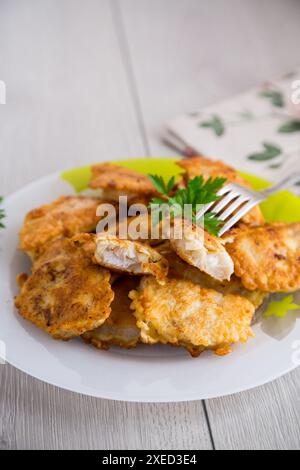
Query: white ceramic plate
x,y
145,374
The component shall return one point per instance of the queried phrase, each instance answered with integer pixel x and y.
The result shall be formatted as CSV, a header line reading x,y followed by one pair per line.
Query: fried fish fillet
x,y
125,256
140,228
66,293
197,166
120,328
117,180
203,250
185,314
268,257
200,165
64,217
179,269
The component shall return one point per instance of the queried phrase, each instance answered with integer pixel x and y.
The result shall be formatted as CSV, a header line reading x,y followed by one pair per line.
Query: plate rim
x,y
115,396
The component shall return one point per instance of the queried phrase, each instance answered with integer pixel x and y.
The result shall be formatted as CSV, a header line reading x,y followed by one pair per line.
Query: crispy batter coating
x,y
139,228
125,256
178,269
116,180
64,217
120,328
21,279
209,168
203,250
268,257
66,294
197,166
185,314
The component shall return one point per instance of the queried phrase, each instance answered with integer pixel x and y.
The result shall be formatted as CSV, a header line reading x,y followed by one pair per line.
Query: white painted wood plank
x,y
69,102
188,54
34,415
60,132
267,418
68,98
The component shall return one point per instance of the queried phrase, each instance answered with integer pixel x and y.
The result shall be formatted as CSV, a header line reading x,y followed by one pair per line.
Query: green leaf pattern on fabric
x,y
269,152
289,127
216,124
275,96
2,214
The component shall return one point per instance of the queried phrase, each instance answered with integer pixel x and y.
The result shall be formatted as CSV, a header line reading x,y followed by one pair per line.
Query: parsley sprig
x,y
2,214
198,192
160,185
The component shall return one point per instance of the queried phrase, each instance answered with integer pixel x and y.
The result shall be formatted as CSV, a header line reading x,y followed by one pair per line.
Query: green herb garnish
x,y
198,192
160,185
2,214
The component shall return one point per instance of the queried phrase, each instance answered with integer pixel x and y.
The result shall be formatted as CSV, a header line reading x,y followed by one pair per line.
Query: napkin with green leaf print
x,y
257,132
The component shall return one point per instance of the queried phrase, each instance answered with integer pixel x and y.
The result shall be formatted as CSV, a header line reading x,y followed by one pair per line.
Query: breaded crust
x,y
179,269
120,328
64,217
119,179
123,256
197,166
185,314
268,257
209,168
66,294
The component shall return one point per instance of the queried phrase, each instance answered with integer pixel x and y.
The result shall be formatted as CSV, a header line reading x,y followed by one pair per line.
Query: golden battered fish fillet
x,y
200,165
66,294
197,166
117,180
120,328
179,269
123,229
143,199
139,228
64,217
124,256
203,250
182,313
268,257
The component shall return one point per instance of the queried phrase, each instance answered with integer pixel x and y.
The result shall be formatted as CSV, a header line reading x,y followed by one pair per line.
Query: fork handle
x,y
284,184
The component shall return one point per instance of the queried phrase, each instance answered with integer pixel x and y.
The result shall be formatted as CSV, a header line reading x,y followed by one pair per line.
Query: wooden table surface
x,y
96,80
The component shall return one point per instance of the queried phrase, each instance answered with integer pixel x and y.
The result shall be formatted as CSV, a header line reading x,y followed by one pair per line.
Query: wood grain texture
x,y
196,55
96,80
68,97
267,418
34,415
71,101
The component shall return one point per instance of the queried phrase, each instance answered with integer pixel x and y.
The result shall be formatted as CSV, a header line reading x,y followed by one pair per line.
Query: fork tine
x,y
225,201
233,207
236,217
222,192
226,194
226,189
203,211
233,198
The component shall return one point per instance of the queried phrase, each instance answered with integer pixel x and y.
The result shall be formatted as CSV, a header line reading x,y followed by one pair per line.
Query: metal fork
x,y
236,201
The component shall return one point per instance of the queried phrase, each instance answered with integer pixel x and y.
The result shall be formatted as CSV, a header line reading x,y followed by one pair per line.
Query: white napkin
x,y
257,132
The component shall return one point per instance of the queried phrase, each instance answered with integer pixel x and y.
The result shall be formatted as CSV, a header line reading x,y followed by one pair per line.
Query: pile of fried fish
x,y
113,291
